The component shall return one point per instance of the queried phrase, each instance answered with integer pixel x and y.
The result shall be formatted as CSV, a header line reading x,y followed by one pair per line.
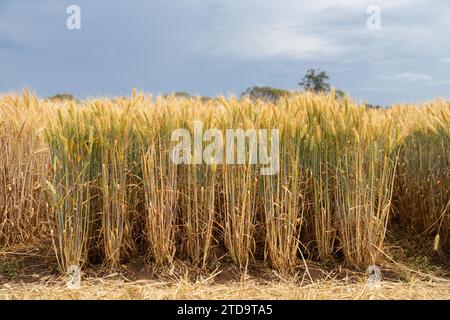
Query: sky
x,y
214,47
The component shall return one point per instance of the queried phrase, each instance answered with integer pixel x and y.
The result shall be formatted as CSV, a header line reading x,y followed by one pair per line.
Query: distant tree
x,y
181,94
205,99
62,97
371,106
315,81
265,93
340,94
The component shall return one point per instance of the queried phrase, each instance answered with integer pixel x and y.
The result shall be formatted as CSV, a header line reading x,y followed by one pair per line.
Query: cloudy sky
x,y
213,47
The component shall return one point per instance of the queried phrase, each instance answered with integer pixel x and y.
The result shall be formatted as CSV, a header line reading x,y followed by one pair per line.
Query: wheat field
x,y
96,178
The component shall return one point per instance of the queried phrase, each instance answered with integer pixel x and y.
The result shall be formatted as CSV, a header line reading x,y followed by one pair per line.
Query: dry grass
x,y
98,289
30,272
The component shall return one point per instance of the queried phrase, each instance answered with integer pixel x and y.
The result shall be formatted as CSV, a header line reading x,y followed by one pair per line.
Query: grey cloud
x,y
223,46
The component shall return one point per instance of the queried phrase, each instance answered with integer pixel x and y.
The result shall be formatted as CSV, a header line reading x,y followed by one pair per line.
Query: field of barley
x,y
93,182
